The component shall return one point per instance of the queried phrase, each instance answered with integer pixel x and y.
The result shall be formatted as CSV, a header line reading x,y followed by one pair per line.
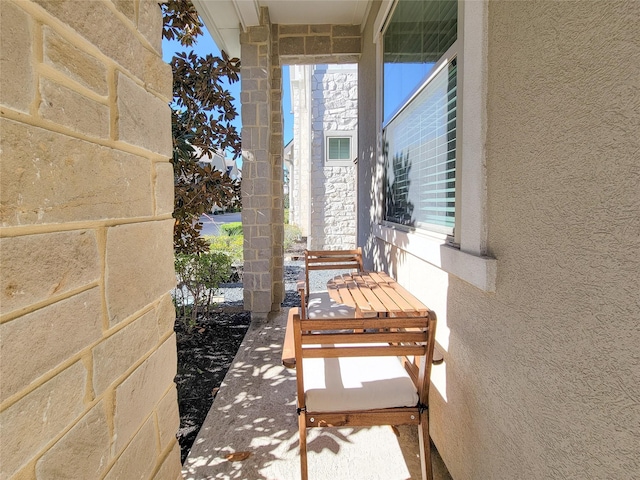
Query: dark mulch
x,y
205,353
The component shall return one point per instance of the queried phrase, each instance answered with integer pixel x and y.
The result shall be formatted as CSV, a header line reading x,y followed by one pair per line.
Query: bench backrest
x,y
332,260
411,338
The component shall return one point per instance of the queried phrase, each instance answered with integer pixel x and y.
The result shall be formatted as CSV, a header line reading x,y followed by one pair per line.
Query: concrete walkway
x,y
255,412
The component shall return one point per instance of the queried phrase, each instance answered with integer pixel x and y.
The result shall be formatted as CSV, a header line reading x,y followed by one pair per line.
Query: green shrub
x,y
231,245
199,276
231,229
291,234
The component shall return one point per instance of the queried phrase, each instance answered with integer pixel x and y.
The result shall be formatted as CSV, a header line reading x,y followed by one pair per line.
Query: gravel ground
x,y
232,292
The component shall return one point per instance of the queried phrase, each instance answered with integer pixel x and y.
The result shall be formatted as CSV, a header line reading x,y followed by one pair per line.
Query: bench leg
x,y
302,427
425,446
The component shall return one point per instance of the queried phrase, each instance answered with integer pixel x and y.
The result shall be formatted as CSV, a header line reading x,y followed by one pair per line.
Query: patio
x,y
254,412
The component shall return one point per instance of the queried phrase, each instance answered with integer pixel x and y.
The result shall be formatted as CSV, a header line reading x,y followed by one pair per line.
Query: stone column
x,y
277,180
262,178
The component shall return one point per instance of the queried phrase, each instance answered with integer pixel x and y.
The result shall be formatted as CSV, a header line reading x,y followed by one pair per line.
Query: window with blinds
x,y
338,148
420,136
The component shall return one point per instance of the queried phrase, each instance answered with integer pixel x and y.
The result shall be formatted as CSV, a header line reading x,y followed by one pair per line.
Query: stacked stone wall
x,y
313,44
87,348
262,184
334,94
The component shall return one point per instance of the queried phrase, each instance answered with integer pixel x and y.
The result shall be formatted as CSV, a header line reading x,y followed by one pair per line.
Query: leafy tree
x,y
202,112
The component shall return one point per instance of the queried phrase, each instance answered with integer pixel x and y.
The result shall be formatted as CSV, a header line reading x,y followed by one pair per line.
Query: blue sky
x,y
205,45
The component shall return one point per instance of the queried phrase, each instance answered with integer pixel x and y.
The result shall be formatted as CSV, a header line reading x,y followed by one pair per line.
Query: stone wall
x,y
315,44
264,49
86,320
334,100
262,183
325,101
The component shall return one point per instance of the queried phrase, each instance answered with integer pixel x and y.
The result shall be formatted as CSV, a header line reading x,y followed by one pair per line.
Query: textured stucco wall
x,y
564,195
87,352
369,183
541,378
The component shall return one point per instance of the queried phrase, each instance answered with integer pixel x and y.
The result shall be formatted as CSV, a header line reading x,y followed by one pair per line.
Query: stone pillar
x,y
277,168
262,177
88,352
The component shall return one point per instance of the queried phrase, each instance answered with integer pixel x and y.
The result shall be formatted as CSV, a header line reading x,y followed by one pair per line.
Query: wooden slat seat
x,y
320,305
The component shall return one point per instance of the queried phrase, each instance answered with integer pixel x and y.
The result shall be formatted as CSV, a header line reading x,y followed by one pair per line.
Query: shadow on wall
x,y
399,209
394,204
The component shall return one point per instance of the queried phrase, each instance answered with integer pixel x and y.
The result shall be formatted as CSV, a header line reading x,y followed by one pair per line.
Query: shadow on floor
x,y
254,417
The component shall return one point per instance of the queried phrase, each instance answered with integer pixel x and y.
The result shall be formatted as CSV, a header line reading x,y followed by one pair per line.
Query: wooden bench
x,y
357,377
331,260
319,304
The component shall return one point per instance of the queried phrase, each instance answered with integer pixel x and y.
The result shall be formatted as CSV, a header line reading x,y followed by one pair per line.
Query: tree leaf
x,y
238,456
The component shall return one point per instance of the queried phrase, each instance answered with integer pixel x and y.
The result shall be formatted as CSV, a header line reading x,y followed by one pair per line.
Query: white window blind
x,y
420,157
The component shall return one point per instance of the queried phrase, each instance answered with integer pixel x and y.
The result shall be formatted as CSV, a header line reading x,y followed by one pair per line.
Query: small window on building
x,y
339,149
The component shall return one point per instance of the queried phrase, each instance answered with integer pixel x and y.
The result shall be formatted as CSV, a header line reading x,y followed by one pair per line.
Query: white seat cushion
x,y
320,306
357,383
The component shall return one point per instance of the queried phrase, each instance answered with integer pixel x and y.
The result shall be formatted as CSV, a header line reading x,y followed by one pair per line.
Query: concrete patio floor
x,y
254,411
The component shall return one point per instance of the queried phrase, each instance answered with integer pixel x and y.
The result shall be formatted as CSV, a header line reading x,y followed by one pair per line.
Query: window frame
x,y
349,134
451,236
466,254
449,56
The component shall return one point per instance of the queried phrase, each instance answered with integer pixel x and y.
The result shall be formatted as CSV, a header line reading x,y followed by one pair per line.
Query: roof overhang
x,y
225,19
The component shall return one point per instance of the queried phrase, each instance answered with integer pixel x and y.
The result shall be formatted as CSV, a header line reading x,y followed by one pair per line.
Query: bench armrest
x,y
288,347
301,283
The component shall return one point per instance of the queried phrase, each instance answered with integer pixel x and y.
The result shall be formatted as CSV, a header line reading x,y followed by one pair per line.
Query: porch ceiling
x,y
225,19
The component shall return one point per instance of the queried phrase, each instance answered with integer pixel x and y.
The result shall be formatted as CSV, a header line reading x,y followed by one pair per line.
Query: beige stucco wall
x,y
541,378
87,352
369,184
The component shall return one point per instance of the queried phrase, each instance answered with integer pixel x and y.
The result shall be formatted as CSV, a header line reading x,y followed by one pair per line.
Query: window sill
x,y
432,248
